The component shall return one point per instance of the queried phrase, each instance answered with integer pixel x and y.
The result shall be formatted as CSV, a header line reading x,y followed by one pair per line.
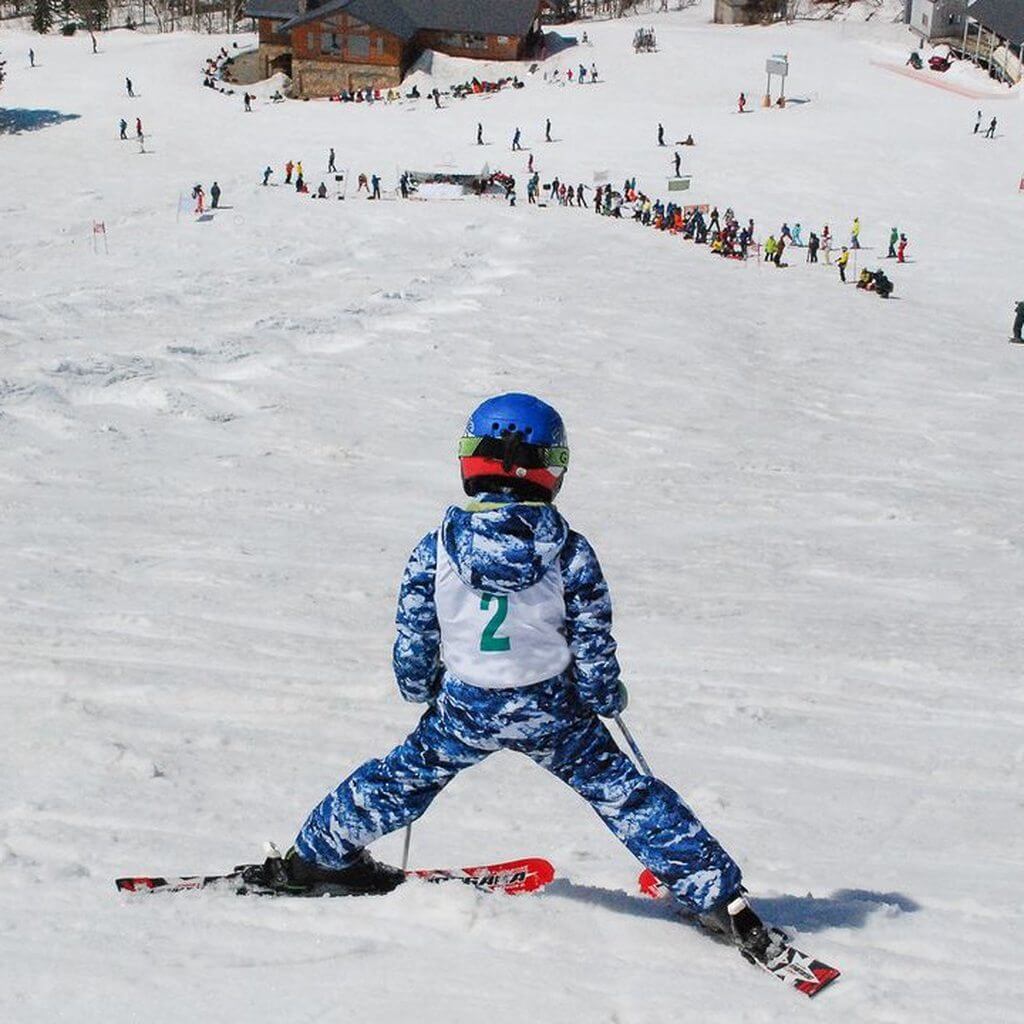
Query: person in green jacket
x,y
894,237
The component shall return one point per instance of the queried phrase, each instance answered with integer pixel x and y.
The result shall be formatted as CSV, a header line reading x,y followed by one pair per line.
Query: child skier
x,y
504,632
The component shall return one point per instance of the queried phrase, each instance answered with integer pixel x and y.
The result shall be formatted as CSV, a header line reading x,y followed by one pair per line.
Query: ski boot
x,y
737,921
294,876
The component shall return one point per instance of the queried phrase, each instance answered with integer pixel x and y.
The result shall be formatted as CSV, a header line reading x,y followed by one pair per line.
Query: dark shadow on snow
x,y
845,908
18,119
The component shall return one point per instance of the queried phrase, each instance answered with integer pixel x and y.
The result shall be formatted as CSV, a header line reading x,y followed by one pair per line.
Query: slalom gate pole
x,y
405,848
640,759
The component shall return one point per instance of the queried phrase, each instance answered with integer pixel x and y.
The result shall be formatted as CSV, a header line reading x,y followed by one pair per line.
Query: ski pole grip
x,y
640,759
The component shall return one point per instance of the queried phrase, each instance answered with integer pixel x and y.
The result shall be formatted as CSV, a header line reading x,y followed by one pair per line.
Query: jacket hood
x,y
503,547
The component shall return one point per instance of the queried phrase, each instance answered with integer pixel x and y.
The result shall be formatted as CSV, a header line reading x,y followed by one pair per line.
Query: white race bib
x,y
497,640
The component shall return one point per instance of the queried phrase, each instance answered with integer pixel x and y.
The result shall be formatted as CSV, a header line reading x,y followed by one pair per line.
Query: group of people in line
x,y
474,86
723,234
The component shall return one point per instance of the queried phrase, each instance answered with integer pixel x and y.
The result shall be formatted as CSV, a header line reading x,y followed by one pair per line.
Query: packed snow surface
x,y
220,437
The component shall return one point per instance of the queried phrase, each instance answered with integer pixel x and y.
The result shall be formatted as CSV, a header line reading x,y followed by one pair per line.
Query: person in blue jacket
x,y
504,634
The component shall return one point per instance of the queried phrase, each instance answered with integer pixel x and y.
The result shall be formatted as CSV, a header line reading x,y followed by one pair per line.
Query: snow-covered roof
x,y
1004,17
404,18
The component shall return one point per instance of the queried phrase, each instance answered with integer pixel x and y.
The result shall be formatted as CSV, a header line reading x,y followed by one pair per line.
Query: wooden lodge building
x,y
331,45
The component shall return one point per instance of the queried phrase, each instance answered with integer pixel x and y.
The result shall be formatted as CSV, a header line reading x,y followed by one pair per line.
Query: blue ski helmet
x,y
514,443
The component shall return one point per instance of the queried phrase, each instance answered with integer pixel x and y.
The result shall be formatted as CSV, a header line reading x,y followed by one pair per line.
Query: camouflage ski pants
x,y
549,724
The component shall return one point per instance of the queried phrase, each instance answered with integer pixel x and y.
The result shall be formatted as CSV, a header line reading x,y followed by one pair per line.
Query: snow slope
x,y
221,438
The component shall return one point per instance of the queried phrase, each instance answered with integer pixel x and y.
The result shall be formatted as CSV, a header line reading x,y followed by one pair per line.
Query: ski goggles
x,y
529,456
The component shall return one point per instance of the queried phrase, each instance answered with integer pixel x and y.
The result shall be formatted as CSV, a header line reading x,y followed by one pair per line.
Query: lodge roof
x,y
272,8
1004,17
404,18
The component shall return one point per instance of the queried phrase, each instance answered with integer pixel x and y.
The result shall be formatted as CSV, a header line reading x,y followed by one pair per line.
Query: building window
x,y
503,40
465,41
378,46
330,42
358,46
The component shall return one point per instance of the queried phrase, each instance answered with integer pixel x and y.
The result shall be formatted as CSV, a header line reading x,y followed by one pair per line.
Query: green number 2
x,y
488,641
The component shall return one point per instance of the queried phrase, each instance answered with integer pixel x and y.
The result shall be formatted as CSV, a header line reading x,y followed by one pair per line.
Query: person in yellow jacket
x,y
844,258
855,233
770,246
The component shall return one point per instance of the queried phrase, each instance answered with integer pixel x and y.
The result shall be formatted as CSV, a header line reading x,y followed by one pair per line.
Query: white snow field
x,y
220,439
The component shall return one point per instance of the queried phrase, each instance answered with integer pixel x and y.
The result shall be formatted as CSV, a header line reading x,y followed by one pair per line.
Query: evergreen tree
x,y
42,16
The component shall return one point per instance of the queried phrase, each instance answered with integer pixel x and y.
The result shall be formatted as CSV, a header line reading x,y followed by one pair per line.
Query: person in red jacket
x,y
901,249
742,102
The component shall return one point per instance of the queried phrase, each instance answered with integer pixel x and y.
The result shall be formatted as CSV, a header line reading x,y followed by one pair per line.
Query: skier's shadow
x,y
844,908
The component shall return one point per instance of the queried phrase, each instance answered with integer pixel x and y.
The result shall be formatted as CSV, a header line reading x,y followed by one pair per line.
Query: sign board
x,y
678,184
777,66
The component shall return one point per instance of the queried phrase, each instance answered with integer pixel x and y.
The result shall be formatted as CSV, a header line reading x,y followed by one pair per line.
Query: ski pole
x,y
405,848
640,759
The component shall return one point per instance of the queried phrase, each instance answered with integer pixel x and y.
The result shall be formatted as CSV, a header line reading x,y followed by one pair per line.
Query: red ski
x,y
512,877
784,960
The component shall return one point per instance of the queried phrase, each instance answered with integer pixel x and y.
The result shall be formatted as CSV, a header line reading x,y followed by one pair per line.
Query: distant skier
x,y
437,98
31,58
298,168
479,134
580,200
894,237
977,123
331,169
375,182
582,75
547,130
529,164
742,103
841,262
593,72
991,132
200,197
247,100
770,246
138,127
124,128
797,239
780,248
403,185
515,140
267,172
128,87
363,182
661,134
901,249
214,195
504,635
812,248
678,162
1018,323
321,192
855,234
288,168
